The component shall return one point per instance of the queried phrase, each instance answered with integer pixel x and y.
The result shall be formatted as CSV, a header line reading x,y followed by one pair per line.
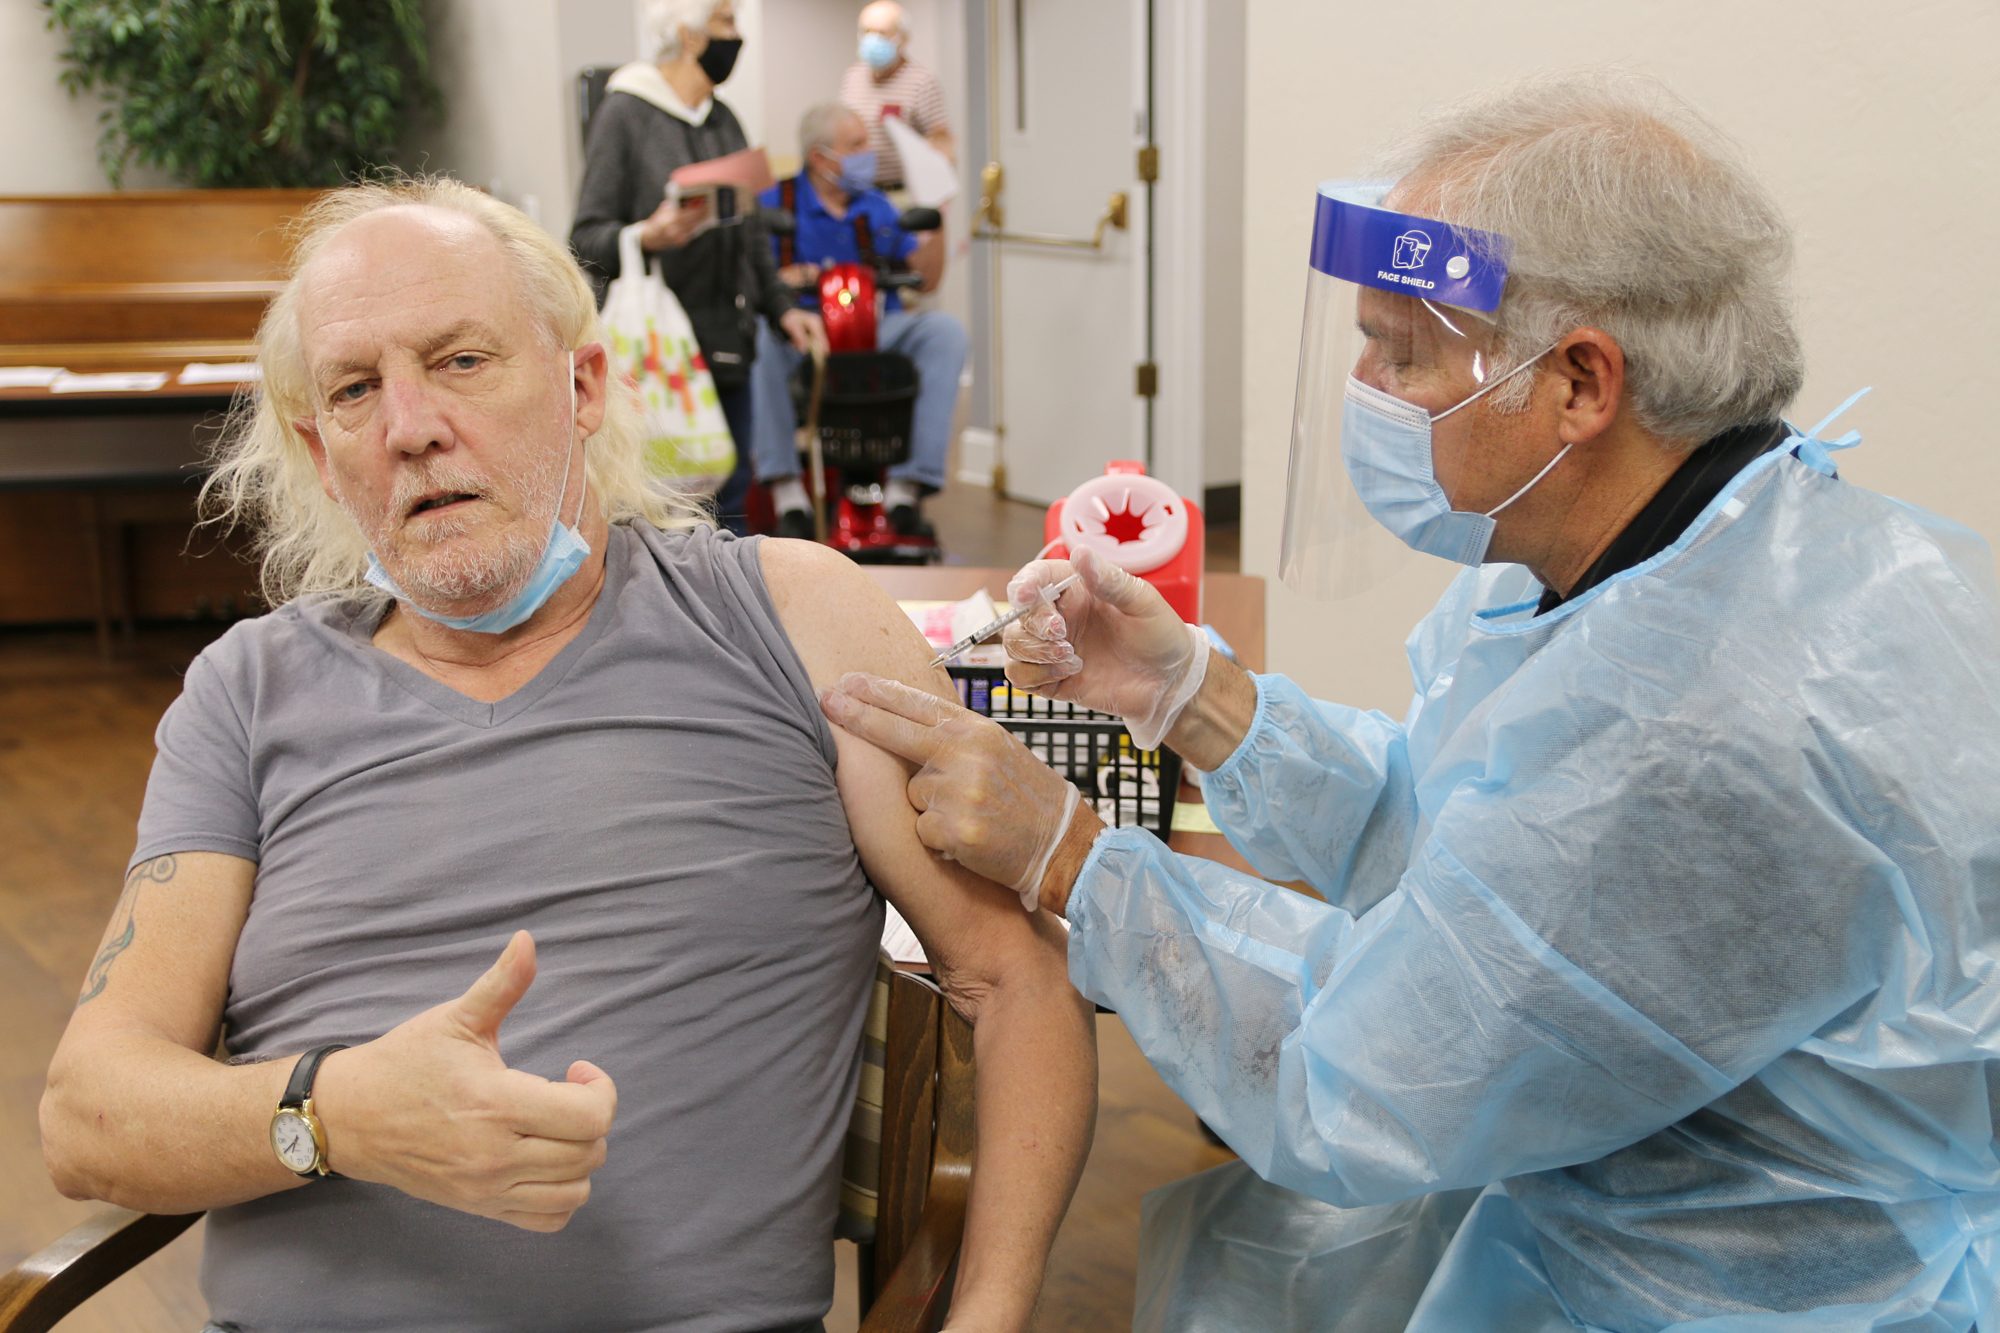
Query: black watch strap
x,y
304,1072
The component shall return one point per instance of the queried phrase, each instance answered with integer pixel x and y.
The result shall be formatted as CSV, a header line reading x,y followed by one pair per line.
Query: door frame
x,y
1179,258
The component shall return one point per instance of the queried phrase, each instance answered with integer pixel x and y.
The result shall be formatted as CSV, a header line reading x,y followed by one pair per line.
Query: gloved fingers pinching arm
x,y
985,800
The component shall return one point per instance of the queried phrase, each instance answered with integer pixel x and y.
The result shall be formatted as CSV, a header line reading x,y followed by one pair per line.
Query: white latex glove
x,y
986,801
1110,643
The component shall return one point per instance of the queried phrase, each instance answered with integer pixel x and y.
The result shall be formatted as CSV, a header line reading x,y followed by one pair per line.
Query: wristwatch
x,y
296,1135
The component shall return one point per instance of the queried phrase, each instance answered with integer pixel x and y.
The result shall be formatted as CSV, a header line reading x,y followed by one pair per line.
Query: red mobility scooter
x,y
855,405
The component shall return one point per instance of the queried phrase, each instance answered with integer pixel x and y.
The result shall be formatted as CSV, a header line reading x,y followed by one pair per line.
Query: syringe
x,y
981,635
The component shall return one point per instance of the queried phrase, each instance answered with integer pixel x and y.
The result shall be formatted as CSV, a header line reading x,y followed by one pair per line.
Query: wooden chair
x,y
926,1177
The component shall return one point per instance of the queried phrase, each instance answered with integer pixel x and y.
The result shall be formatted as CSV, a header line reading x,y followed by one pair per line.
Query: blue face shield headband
x,y
1342,503
562,555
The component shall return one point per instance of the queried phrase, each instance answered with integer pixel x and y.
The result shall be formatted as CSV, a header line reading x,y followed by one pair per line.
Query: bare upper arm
x,y
163,966
840,620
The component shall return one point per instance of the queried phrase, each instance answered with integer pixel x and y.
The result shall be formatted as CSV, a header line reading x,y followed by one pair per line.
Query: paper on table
x,y
898,940
28,377
928,174
944,623
233,372
118,381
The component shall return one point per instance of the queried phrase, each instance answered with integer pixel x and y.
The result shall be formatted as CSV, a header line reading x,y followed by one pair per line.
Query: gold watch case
x,y
298,1140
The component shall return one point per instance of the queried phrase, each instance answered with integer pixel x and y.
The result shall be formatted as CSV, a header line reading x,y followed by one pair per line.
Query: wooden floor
x,y
76,739
75,746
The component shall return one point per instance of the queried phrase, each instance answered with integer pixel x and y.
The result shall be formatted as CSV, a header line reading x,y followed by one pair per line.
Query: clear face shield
x,y
1399,341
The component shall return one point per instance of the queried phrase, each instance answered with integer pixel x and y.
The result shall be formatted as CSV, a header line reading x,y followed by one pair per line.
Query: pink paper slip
x,y
749,171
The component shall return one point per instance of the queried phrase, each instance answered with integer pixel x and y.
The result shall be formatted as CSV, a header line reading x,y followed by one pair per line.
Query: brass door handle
x,y
989,225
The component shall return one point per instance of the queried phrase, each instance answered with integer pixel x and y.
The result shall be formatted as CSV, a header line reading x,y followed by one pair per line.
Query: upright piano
x,y
97,475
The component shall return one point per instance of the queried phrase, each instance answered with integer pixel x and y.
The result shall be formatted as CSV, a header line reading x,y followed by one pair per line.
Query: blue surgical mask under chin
x,y
1386,446
877,51
562,555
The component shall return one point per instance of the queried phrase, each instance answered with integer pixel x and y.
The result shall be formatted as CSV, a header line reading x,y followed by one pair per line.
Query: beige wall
x,y
1222,237
812,42
505,123
1874,125
48,139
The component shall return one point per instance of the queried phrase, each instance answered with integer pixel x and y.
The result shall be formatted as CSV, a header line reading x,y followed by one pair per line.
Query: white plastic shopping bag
x,y
688,444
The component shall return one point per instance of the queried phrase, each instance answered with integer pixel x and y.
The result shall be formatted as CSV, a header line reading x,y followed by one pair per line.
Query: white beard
x,y
456,577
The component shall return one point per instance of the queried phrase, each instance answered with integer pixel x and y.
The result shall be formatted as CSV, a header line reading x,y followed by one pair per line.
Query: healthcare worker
x,y
1666,916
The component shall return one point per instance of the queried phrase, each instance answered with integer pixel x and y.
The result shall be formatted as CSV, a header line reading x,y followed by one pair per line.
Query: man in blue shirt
x,y
835,188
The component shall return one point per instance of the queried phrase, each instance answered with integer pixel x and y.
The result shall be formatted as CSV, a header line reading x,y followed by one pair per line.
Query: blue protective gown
x,y
1670,916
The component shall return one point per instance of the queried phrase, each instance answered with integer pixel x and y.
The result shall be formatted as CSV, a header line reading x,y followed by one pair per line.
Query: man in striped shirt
x,y
884,82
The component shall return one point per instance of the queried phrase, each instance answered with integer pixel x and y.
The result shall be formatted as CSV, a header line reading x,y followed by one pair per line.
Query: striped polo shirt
x,y
911,92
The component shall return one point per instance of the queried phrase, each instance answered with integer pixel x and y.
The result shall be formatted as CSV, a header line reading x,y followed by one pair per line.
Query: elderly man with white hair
x,y
886,82
1656,983
837,212
511,696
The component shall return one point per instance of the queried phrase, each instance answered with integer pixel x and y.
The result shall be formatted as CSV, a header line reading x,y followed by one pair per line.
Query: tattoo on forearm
x,y
159,870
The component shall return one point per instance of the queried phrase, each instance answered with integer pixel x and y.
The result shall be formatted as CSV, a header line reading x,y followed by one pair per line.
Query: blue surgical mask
x,y
1386,446
857,172
878,51
562,555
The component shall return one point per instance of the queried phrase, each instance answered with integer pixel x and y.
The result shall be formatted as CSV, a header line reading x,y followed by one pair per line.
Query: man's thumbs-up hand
x,y
430,1108
487,1001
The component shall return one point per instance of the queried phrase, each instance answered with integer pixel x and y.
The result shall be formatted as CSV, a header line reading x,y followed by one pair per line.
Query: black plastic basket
x,y
865,409
1124,784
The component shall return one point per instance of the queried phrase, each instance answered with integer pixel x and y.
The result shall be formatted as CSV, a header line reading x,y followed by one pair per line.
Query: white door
x,y
1069,103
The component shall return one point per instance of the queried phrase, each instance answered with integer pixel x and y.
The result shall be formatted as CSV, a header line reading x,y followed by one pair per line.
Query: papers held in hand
x,y
726,188
928,174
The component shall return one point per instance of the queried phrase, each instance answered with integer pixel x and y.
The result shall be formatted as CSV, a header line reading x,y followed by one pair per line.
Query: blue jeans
x,y
729,499
932,339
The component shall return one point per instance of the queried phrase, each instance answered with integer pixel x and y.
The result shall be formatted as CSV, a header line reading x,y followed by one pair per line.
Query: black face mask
x,y
719,58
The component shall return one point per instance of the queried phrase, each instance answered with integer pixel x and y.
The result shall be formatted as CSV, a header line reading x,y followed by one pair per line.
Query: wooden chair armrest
x,y
60,1276
918,1291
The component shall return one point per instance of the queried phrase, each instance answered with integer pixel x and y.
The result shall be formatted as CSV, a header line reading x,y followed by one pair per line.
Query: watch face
x,y
292,1138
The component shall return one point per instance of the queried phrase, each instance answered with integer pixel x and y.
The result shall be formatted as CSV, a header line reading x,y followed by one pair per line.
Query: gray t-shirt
x,y
658,807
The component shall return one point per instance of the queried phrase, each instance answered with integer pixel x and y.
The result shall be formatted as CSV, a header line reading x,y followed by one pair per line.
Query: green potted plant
x,y
248,93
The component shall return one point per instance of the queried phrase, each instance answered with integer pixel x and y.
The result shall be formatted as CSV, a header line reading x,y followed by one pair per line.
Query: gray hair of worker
x,y
1628,212
263,477
661,21
819,124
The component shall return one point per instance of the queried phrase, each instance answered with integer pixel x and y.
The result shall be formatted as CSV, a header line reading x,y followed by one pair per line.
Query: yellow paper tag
x,y
1192,817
